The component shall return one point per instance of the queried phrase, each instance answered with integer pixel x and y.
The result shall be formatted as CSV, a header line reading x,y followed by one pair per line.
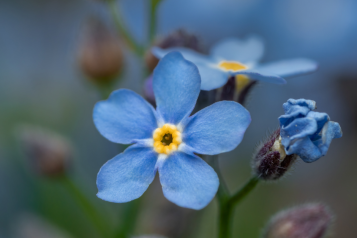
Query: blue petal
x,y
257,75
299,128
188,54
125,116
293,104
244,51
330,131
176,84
296,108
321,119
216,129
305,149
211,76
187,180
288,68
127,176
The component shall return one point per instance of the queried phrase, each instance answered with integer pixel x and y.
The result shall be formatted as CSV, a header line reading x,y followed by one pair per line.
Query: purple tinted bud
x,y
100,55
270,161
305,221
149,91
179,38
49,154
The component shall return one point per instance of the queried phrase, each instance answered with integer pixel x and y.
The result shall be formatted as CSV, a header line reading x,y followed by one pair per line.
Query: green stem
x,y
223,192
243,192
225,219
227,205
87,206
113,7
130,216
153,19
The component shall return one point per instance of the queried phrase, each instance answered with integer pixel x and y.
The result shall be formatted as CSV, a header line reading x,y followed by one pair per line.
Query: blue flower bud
x,y
305,221
305,132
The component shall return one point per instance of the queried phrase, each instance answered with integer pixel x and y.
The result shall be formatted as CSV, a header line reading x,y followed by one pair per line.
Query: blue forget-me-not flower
x,y
239,58
166,139
305,132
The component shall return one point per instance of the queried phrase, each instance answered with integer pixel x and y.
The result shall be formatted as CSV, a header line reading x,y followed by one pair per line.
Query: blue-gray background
x,y
40,83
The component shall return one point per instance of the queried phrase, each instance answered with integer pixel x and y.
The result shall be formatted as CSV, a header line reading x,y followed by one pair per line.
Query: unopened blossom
x,y
270,161
49,153
239,58
305,132
304,221
166,140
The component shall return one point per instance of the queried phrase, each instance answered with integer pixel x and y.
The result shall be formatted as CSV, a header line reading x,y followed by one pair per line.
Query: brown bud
x,y
305,221
100,53
48,153
270,161
179,38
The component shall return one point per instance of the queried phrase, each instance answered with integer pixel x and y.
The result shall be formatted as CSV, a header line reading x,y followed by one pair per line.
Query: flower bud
x,y
305,132
179,38
100,54
305,221
270,161
48,153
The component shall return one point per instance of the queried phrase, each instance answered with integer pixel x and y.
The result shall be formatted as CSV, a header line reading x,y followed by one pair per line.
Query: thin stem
x,y
113,7
153,19
87,206
225,220
243,191
130,216
223,192
226,207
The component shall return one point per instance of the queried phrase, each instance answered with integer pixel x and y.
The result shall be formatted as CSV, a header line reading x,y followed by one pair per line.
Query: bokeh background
x,y
41,84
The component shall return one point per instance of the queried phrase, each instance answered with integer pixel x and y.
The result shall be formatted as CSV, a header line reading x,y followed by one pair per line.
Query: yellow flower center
x,y
241,82
232,66
166,139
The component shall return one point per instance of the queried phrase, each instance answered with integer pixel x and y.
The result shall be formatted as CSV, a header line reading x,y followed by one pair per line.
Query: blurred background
x,y
45,60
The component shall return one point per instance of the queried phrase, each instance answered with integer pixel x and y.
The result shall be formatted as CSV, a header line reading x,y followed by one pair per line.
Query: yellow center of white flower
x,y
166,139
232,66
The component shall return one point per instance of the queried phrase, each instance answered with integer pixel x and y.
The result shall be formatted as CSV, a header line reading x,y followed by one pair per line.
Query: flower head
x,y
305,132
165,140
238,58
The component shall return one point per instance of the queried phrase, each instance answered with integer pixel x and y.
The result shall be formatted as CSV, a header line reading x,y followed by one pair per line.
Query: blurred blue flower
x,y
305,132
233,57
165,140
